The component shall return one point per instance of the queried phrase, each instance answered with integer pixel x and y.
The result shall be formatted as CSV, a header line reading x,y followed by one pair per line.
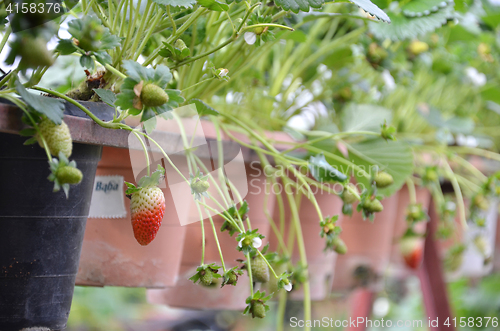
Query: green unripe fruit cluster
x,y
153,96
69,175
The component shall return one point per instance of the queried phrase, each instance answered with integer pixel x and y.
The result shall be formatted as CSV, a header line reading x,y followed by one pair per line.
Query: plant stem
x,y
145,151
268,264
411,191
302,253
217,242
458,193
249,266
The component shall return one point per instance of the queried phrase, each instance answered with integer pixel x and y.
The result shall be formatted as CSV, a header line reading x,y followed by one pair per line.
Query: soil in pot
x,y
41,235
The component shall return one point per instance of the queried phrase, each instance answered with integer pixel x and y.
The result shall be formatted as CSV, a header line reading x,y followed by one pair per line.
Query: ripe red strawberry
x,y
412,249
147,206
147,209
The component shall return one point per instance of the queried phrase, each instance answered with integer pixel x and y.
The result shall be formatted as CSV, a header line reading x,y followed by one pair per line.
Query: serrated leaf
x,y
322,171
203,109
106,95
362,117
424,7
66,47
162,76
176,3
296,5
403,27
103,57
87,62
213,5
50,107
372,9
393,157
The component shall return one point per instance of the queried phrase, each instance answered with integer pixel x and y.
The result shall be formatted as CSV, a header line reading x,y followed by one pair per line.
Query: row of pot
x,y
111,257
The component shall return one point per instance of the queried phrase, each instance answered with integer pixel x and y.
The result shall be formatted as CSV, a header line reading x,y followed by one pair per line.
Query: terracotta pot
x,y
401,225
112,257
320,262
368,244
185,294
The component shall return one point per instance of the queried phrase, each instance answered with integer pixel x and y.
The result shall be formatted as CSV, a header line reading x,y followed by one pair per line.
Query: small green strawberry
x,y
260,269
34,53
153,96
200,186
69,175
383,179
207,277
63,173
339,246
57,137
347,196
231,276
206,274
373,206
418,47
179,43
258,310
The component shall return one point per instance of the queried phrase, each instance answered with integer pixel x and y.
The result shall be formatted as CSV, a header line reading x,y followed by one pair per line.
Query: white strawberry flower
x,y
256,242
288,287
250,38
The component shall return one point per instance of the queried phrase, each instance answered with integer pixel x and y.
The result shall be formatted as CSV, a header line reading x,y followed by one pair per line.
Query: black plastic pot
x,y
41,235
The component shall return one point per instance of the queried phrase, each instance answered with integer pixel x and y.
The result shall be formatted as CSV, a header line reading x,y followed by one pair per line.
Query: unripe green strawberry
x,y
153,96
58,137
232,278
373,206
179,43
260,270
383,179
69,175
34,53
147,208
482,245
258,30
200,186
481,202
347,195
418,47
207,277
258,310
414,212
339,246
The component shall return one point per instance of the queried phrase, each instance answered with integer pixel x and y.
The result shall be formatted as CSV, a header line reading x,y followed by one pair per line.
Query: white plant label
x,y
107,198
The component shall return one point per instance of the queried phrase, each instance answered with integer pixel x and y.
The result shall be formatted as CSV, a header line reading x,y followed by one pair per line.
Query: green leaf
x,y
203,109
322,171
393,157
213,5
372,9
424,7
87,62
176,3
103,57
454,124
66,47
134,70
30,141
162,76
403,27
296,5
27,132
106,95
50,107
364,117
